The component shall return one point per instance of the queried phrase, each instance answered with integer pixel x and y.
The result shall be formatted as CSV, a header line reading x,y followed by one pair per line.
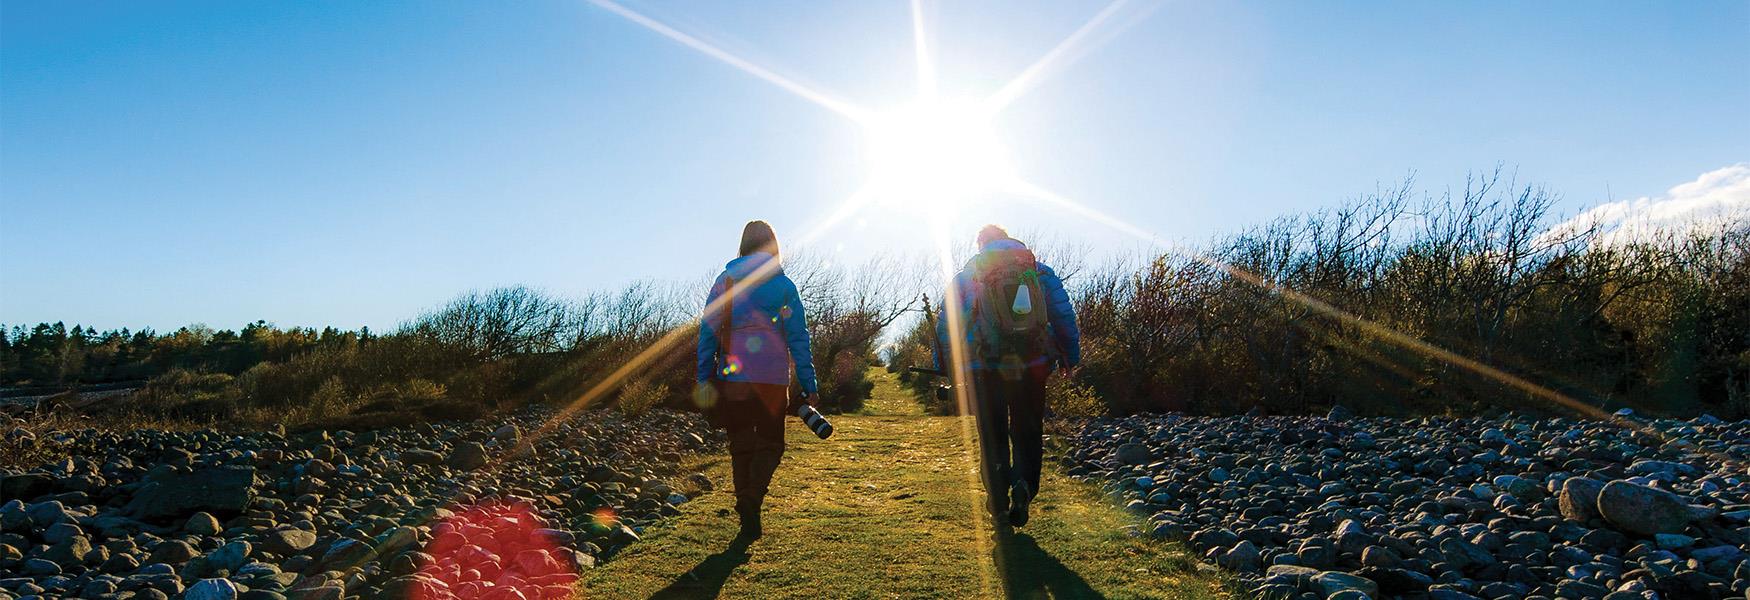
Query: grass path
x,y
888,508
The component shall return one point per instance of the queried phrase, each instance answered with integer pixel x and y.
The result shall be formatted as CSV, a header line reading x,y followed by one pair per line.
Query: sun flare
x,y
934,154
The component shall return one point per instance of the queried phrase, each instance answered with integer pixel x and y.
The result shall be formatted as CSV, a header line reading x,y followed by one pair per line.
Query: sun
x,y
934,153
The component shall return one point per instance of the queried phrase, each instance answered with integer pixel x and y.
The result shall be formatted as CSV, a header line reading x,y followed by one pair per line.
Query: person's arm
x,y
796,338
708,334
1061,312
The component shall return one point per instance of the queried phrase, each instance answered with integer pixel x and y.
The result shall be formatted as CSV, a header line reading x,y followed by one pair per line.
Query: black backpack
x,y
1009,322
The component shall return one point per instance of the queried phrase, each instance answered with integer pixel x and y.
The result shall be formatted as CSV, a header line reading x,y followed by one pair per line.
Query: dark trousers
x,y
753,415
1009,406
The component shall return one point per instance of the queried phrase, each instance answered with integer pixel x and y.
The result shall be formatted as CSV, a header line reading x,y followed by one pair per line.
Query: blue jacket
x,y
767,320
1060,313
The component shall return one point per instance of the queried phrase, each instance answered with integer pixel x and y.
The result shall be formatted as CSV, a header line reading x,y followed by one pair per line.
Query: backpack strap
x,y
726,330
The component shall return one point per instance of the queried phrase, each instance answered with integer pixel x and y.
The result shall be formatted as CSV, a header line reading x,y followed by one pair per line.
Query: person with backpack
x,y
747,347
1018,326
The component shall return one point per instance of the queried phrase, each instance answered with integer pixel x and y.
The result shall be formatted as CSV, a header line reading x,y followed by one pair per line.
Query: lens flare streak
x,y
732,60
1063,51
962,379
920,45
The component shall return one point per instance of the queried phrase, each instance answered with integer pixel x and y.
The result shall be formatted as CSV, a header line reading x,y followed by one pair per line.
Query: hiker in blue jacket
x,y
1019,325
746,350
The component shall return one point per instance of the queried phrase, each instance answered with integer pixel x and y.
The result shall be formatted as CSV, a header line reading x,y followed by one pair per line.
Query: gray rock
x,y
171,552
119,564
468,456
1331,582
211,589
1579,498
1301,575
421,457
1673,541
396,540
1379,556
1574,588
13,516
44,514
230,556
1133,454
1462,555
1657,467
288,541
61,531
219,490
1642,510
347,553
202,524
38,566
69,552
1714,553
1242,557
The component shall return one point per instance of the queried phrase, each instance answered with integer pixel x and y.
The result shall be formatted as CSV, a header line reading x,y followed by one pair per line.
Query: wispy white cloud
x,y
1710,199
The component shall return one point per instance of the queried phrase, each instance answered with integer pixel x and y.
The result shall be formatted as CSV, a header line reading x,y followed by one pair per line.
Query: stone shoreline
x,y
1342,508
435,510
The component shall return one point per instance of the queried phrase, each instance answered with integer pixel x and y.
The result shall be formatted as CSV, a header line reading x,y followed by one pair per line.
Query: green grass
x,y
889,508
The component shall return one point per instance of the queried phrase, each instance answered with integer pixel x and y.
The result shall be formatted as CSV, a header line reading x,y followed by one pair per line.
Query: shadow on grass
x,y
1028,571
705,580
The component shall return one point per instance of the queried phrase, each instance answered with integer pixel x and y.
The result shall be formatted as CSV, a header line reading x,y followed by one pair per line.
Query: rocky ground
x,y
432,511
1345,508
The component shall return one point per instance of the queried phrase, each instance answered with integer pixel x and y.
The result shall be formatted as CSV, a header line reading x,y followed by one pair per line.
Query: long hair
x,y
758,236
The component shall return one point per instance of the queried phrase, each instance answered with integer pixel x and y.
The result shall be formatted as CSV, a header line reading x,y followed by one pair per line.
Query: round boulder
x,y
1642,510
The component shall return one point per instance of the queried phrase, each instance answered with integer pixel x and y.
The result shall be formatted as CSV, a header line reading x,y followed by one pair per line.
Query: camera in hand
x,y
814,420
944,393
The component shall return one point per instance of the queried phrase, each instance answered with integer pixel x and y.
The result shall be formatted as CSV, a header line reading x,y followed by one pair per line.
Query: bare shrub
x,y
640,396
1069,398
848,308
1655,323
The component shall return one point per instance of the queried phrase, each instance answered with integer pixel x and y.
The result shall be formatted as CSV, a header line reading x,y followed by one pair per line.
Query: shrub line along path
x,y
889,508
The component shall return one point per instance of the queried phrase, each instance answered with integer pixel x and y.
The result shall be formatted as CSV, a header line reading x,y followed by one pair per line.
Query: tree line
x,y
52,354
481,351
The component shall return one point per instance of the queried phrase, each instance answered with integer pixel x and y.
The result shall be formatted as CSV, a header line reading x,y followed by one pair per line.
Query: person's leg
x,y
767,410
769,429
1027,430
744,444
991,416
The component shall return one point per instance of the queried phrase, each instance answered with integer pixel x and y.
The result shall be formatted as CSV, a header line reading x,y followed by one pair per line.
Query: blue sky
x,y
351,163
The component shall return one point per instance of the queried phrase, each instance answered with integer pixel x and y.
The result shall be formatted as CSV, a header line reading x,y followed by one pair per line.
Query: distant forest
x,y
53,354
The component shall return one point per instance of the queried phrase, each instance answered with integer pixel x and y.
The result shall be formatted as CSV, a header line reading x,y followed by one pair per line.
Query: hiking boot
x,y
997,506
750,525
1019,497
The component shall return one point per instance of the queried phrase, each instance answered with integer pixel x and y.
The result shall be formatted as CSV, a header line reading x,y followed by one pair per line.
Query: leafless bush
x,y
848,308
1662,324
499,323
